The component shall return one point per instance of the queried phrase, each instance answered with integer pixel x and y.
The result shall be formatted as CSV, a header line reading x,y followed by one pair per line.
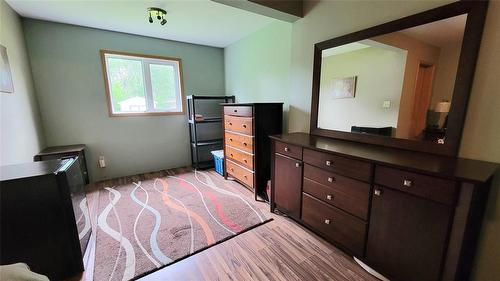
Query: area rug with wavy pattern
x,y
146,225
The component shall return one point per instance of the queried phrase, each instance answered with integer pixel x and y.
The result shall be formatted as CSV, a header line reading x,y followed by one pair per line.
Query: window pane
x,y
164,87
127,85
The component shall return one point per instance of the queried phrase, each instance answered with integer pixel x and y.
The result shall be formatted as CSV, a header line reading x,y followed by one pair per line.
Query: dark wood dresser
x,y
44,219
247,147
410,216
61,152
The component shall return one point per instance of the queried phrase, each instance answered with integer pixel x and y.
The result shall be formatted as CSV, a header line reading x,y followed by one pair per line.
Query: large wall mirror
x,y
405,83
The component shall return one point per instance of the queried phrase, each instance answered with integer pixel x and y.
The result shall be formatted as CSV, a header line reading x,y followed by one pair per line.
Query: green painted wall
x,y
21,134
257,71
69,84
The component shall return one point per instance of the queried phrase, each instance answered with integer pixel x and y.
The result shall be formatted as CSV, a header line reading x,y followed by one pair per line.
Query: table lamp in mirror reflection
x,y
443,107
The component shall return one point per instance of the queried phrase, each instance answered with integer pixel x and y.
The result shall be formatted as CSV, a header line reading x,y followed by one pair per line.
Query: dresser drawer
x,y
436,189
288,150
242,125
240,173
239,141
347,194
245,111
338,164
244,158
335,224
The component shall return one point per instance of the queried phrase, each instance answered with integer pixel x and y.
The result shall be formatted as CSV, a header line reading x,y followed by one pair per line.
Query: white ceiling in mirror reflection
x,y
351,47
344,49
389,78
439,33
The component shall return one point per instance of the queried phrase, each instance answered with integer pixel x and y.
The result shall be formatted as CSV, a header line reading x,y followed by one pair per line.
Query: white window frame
x,y
146,61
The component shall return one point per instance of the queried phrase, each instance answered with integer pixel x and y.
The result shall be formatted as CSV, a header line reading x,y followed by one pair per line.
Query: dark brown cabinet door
x,y
287,185
407,235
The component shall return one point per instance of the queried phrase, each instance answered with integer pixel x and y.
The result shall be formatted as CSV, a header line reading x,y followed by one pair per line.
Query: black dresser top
x,y
469,170
75,148
31,169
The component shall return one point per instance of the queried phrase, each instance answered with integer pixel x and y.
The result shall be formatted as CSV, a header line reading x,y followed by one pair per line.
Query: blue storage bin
x,y
219,161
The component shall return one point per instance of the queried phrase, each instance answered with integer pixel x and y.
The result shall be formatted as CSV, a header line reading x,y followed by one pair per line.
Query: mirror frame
x,y
476,14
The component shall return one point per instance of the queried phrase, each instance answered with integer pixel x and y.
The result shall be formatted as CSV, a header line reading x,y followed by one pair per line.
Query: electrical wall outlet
x,y
102,162
386,104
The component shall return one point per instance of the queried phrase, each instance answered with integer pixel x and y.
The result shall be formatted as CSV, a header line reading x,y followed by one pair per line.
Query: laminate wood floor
x,y
278,250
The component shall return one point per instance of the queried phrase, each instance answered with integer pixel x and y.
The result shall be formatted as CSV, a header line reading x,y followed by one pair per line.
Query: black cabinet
x,y
407,235
288,185
44,219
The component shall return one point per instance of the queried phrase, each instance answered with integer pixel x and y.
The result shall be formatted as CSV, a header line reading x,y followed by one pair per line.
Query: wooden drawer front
x,y
338,164
239,124
347,194
245,111
335,224
436,189
239,173
288,150
244,158
239,141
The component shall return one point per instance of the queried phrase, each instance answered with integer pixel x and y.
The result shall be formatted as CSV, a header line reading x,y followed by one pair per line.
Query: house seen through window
x,y
140,84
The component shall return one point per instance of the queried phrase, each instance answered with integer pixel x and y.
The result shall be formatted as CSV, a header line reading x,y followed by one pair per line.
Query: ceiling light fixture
x,y
157,13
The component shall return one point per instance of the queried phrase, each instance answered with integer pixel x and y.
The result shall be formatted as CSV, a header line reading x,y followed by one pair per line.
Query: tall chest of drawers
x,y
409,216
247,147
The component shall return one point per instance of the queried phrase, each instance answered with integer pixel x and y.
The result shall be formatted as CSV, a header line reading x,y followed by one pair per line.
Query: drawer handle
x,y
244,126
327,221
331,179
328,163
232,155
377,192
245,160
297,165
329,197
235,110
245,177
407,183
232,170
245,144
230,124
230,139
287,149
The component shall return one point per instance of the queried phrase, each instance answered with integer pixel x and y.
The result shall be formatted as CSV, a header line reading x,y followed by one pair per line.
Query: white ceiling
x,y
194,21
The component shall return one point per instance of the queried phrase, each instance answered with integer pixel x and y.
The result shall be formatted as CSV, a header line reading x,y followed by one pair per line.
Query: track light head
x,y
157,13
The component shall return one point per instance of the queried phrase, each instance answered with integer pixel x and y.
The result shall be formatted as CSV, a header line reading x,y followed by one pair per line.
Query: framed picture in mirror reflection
x,y
342,88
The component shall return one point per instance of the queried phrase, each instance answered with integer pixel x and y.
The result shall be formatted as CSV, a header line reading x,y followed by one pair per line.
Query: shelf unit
x,y
200,147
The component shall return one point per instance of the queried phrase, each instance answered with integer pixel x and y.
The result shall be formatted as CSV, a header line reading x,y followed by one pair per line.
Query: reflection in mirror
x,y
398,84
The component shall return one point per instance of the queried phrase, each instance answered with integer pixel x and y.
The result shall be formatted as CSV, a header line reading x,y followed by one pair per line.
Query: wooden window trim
x,y
103,53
